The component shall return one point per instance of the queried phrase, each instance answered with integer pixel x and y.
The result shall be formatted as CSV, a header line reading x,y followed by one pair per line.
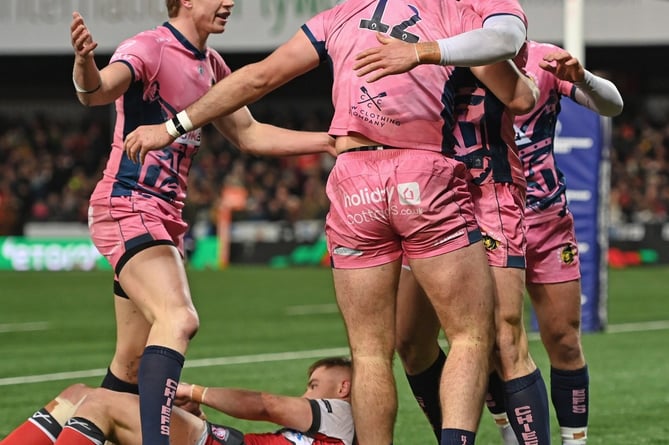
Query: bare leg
x,y
512,343
132,331
418,347
117,416
459,286
155,280
366,299
558,310
417,326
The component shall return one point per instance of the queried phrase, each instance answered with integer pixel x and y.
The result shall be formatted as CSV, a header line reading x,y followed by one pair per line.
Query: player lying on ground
x,y
82,415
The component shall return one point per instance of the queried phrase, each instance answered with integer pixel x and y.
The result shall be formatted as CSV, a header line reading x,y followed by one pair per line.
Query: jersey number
x,y
398,31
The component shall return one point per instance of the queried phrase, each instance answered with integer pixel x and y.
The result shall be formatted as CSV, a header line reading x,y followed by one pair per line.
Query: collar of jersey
x,y
189,46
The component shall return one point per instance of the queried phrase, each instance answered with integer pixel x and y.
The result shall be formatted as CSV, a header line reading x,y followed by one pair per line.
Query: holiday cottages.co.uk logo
x,y
408,194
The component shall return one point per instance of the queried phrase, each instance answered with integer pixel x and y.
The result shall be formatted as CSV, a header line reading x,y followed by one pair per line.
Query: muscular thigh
x,y
459,286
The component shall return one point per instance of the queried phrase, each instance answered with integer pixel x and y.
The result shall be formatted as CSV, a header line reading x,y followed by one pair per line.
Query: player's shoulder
x,y
148,41
221,68
332,405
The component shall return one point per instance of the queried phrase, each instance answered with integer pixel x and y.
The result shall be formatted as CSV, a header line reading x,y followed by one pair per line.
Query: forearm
x,y
238,403
599,94
268,140
85,78
500,38
240,88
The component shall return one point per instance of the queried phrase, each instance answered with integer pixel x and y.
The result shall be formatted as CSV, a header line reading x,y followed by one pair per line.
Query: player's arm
x,y
94,87
242,87
518,92
291,412
593,92
258,138
500,38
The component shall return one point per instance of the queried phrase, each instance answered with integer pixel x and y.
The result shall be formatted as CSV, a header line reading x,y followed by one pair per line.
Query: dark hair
x,y
330,362
172,7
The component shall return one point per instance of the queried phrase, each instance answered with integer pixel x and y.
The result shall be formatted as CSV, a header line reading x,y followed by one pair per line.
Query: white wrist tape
x,y
179,125
79,89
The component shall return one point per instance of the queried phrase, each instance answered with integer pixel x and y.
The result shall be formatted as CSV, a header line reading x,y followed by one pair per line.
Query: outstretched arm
x,y
290,412
94,87
500,38
593,92
261,139
244,86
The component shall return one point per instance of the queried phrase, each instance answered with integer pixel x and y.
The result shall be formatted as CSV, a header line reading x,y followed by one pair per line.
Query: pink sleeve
x,y
316,26
565,88
141,53
491,8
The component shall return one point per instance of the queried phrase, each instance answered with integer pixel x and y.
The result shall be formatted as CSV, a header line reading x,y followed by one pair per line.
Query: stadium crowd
x,y
49,166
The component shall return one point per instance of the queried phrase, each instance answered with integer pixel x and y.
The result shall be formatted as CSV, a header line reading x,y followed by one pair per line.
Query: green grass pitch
x,y
261,327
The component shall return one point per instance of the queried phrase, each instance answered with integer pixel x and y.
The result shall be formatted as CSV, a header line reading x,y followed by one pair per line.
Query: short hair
x,y
172,7
330,362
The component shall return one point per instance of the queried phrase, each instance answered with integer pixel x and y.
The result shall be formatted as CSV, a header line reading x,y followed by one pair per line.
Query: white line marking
x,y
23,327
285,356
311,309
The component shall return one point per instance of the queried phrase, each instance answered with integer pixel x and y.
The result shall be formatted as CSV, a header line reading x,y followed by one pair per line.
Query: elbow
x,y
506,43
613,109
84,100
258,80
522,105
525,103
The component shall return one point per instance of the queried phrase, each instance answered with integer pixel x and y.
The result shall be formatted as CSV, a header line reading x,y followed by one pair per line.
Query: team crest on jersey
x,y
152,93
490,243
568,253
219,433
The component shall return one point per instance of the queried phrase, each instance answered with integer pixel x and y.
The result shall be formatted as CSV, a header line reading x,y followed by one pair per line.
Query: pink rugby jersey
x,y
168,74
387,111
491,8
484,132
535,136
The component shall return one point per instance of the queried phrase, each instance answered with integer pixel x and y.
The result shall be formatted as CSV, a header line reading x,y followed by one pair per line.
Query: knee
x,y
564,346
416,356
186,321
74,393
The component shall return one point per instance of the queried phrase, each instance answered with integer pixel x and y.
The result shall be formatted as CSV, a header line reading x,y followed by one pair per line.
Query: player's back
x,y
414,109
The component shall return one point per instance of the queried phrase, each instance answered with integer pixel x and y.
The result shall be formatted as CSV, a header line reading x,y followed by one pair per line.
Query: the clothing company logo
x,y
409,193
366,196
371,101
370,109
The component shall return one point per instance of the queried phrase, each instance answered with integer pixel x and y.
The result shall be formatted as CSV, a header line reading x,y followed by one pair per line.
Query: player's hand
x,y
144,139
564,66
82,41
392,57
183,400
